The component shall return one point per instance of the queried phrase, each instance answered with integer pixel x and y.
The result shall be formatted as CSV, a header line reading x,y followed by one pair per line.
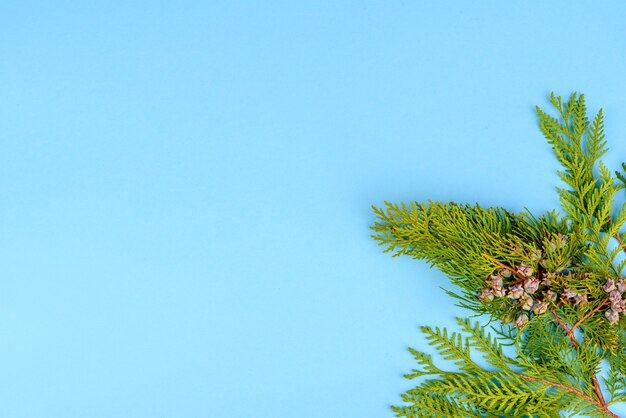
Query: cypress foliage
x,y
551,282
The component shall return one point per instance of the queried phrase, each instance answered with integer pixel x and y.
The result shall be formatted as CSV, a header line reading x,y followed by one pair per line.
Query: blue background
x,y
186,189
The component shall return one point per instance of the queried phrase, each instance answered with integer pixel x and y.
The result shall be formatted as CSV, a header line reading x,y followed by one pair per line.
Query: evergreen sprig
x,y
553,282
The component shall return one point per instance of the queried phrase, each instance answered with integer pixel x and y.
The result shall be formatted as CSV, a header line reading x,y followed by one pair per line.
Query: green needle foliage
x,y
551,282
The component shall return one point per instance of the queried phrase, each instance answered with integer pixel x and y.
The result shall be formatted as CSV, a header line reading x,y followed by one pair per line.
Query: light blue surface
x,y
186,189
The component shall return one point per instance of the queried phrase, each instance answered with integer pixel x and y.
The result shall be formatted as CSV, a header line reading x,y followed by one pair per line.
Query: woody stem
x,y
512,270
600,405
570,334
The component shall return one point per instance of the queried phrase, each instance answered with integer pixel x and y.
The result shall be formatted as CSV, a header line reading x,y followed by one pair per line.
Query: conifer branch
x,y
570,334
533,274
618,237
602,405
589,314
565,328
619,240
520,277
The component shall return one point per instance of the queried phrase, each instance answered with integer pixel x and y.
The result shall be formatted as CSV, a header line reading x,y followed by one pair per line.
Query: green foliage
x,y
510,387
553,282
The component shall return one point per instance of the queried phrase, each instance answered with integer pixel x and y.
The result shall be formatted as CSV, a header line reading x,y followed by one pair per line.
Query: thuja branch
x,y
532,273
511,269
565,328
589,314
620,241
618,237
570,334
600,404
